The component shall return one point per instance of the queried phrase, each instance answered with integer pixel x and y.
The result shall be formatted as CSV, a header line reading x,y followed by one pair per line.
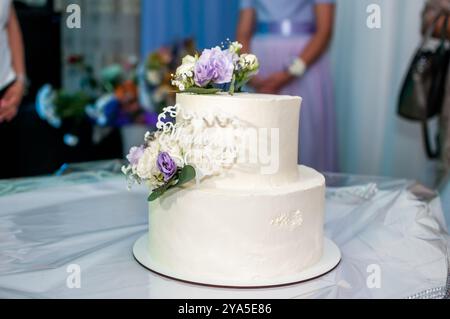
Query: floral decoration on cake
x,y
192,148
168,159
218,69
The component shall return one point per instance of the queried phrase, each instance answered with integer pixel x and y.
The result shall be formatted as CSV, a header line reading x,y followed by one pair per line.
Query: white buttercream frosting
x,y
271,128
230,235
243,225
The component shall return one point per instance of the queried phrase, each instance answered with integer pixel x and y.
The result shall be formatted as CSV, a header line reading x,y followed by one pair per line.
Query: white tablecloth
x,y
393,244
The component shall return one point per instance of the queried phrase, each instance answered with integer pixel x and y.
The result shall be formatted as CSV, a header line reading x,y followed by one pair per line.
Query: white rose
x,y
146,167
189,59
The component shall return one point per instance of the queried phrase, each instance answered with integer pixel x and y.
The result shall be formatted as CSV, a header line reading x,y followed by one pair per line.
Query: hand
x,y
275,82
9,103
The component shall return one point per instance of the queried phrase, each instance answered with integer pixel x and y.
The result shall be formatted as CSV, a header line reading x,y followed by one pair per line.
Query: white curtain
x,y
369,67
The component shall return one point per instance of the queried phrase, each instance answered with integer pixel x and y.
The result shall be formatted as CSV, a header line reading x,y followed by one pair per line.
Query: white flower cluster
x,y
248,63
184,75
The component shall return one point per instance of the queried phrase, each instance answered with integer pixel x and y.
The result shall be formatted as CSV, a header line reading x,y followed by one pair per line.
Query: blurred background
x,y
143,39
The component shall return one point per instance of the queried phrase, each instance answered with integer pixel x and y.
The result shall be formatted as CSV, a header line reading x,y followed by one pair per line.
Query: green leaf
x,y
198,90
155,194
184,175
71,105
159,191
187,173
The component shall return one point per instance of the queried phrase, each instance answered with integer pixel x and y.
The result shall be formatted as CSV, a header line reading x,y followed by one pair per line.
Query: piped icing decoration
x,y
290,220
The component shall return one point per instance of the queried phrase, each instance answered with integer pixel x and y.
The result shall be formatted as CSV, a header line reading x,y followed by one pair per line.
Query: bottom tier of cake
x,y
239,236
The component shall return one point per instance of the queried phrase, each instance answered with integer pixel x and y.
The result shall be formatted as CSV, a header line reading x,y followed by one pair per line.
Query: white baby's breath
x,y
235,47
184,75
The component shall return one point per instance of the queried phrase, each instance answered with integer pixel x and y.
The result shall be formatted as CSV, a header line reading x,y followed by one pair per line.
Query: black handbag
x,y
423,90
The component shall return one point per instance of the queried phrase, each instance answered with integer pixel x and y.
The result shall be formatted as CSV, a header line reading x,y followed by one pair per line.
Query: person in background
x,y
291,38
12,85
433,8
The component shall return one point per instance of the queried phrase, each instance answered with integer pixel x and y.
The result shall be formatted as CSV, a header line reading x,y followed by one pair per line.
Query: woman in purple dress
x,y
291,38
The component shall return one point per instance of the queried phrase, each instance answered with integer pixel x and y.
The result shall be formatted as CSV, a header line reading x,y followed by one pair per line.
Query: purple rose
x,y
166,165
214,65
135,154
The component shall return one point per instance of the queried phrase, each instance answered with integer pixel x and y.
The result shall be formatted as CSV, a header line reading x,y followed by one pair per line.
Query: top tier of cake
x,y
271,123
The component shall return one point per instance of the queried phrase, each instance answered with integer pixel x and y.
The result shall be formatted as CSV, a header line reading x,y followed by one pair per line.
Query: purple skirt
x,y
317,135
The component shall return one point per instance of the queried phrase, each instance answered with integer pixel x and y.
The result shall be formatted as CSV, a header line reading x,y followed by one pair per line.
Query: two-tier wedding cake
x,y
243,224
229,205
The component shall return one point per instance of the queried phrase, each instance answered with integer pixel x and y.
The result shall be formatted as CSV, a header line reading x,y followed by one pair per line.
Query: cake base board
x,y
330,259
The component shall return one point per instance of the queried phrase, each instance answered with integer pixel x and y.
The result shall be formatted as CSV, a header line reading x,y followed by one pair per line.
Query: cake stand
x,y
330,259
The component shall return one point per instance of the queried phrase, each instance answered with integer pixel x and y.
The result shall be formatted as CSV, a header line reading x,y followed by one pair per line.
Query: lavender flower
x,y
166,165
214,65
135,154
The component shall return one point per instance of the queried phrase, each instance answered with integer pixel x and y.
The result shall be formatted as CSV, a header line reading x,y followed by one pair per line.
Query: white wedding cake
x,y
228,203
254,220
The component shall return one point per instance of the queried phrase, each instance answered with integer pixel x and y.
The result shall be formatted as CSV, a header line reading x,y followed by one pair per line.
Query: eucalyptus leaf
x,y
156,193
186,174
183,176
198,90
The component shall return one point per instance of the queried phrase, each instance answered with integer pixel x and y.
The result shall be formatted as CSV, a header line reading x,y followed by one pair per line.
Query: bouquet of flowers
x,y
215,70
108,101
62,107
118,103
